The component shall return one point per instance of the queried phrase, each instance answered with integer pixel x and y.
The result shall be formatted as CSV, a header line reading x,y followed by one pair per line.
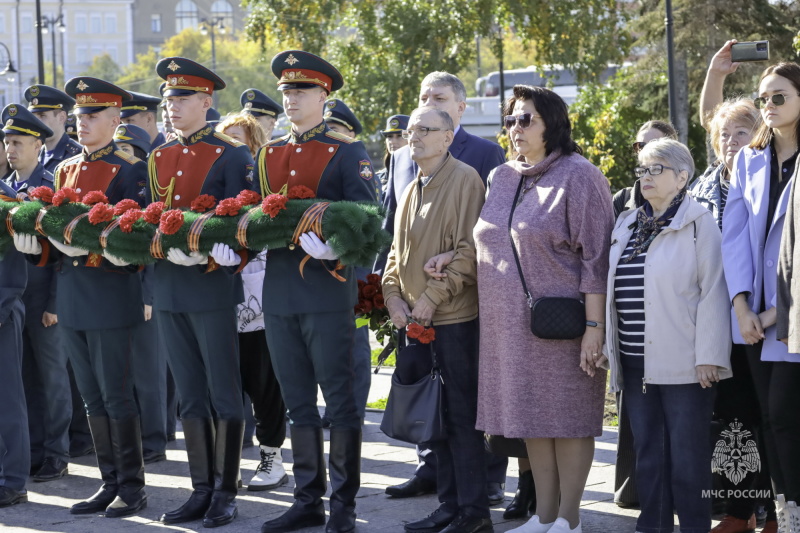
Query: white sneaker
x,y
793,514
561,525
781,514
270,473
532,526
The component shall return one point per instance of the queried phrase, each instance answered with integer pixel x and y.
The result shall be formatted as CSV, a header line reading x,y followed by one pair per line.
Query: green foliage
x,y
104,68
378,404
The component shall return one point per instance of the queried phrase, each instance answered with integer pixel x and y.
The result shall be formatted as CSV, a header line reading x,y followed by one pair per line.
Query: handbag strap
x,y
402,341
528,297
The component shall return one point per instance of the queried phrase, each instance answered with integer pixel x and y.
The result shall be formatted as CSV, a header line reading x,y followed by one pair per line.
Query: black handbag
x,y
415,411
551,317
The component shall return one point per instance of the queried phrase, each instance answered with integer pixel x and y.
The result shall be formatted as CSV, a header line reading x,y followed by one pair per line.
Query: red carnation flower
x,y
367,305
128,219
229,207
101,213
124,206
370,291
414,330
374,279
300,192
65,195
273,204
248,197
43,194
378,302
203,203
152,215
427,336
171,221
94,197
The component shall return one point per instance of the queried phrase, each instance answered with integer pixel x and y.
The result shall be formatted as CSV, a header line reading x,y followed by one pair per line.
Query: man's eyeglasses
x,y
524,120
421,131
654,170
762,101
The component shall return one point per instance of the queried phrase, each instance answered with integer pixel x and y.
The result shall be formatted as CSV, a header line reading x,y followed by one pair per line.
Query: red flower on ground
x,y
374,279
427,336
128,219
43,194
370,291
171,221
123,206
203,203
248,197
100,213
94,197
274,204
229,207
414,330
152,214
65,195
300,192
378,302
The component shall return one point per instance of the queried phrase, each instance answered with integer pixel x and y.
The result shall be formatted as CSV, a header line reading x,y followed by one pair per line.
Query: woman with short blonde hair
x,y
244,128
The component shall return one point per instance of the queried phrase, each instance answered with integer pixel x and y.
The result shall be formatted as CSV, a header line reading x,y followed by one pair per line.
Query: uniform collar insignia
x,y
196,137
94,156
307,136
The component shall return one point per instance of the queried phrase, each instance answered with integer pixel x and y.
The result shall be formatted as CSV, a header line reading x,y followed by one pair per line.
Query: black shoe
x,y
35,467
9,496
416,486
97,503
51,469
524,501
198,434
626,505
153,457
298,516
79,449
469,524
434,522
495,491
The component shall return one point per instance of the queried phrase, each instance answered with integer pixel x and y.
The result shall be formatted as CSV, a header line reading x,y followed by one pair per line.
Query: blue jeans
x,y
671,430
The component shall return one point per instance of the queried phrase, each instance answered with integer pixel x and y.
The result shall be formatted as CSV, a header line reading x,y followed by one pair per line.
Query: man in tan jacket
x,y
437,214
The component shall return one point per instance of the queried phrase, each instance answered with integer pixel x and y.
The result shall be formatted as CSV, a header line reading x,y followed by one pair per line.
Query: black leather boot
x,y
524,501
227,452
199,436
126,440
101,436
309,483
344,465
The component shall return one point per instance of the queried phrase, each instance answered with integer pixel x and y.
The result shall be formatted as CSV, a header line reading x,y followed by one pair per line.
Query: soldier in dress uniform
x,y
44,370
393,136
195,296
15,461
263,108
99,302
309,319
52,107
142,111
340,119
212,116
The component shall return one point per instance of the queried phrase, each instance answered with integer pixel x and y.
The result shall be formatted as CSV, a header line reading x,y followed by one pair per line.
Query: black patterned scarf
x,y
648,226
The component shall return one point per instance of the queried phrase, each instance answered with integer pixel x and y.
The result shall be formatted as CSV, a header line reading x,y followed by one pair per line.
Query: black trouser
x,y
260,383
737,402
777,386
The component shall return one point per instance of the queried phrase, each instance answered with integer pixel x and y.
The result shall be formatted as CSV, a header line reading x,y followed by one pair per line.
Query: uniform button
x,y
75,263
299,150
158,154
770,263
330,149
177,196
180,173
292,173
185,150
113,169
270,150
84,167
219,150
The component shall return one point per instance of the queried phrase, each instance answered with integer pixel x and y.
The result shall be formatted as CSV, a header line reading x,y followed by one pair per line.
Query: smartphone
x,y
750,51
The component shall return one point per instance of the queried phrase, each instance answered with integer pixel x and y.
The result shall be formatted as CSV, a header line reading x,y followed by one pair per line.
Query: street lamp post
x,y
50,25
213,26
8,71
39,45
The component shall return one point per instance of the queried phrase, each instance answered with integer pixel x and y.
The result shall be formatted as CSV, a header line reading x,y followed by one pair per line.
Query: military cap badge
x,y
12,110
250,95
173,66
34,92
291,60
82,85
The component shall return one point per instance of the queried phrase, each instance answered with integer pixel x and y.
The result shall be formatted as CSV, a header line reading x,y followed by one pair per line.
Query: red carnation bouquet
x,y
371,311
423,334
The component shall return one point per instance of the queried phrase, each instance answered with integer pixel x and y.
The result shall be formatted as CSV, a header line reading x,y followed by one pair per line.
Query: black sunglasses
x,y
762,101
524,120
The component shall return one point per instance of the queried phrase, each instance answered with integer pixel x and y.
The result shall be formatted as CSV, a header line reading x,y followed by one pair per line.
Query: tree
x,y
104,68
384,49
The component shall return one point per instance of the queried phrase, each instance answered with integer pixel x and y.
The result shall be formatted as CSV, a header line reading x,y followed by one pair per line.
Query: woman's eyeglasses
x,y
524,120
762,101
654,170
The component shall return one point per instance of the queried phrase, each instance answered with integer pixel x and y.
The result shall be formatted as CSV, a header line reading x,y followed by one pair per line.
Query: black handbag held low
x,y
414,410
551,318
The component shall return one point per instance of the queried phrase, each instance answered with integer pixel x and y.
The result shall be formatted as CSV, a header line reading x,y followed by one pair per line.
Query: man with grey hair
x,y
435,215
447,93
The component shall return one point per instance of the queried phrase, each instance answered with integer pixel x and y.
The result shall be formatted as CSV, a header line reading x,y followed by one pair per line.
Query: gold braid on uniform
x,y
156,190
262,175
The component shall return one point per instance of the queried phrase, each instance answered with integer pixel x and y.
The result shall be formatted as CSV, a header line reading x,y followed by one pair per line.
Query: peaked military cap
x,y
138,103
19,121
259,104
337,111
93,95
184,76
128,133
296,69
44,98
395,124
212,115
71,127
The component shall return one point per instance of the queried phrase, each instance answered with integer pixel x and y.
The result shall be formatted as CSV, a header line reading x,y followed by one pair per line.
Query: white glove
x,y
114,260
175,255
316,248
224,255
27,244
66,249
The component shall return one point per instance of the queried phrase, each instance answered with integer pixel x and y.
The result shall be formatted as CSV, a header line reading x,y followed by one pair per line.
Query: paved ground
x,y
384,463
